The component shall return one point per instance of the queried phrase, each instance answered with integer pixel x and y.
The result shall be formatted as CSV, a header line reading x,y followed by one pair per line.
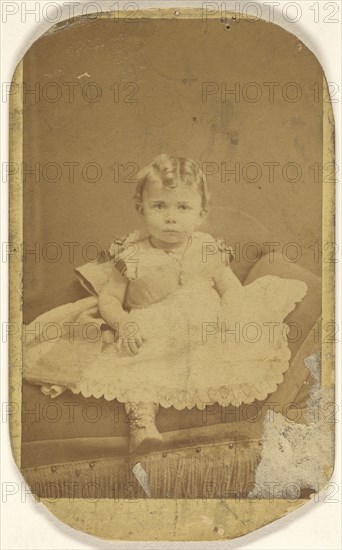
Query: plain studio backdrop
x,y
103,98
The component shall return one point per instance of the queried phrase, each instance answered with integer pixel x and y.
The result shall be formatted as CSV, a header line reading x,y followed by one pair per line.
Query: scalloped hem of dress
x,y
183,399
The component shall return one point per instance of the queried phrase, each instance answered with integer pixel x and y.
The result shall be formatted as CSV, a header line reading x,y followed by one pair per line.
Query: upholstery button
x,y
92,464
53,469
198,449
164,455
260,443
231,445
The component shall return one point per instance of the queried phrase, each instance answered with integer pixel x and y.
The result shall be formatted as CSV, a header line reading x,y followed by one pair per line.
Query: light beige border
x,y
15,265
328,240
157,519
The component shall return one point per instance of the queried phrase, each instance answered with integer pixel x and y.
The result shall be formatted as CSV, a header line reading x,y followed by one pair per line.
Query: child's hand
x,y
132,343
128,335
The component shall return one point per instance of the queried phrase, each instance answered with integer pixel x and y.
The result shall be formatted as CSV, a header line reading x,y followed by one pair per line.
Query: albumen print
x,y
175,250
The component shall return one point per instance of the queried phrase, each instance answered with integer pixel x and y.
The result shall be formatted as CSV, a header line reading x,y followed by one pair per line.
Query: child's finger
x,y
119,344
133,347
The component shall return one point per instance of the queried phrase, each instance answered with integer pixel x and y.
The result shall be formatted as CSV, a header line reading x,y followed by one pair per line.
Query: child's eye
x,y
159,205
184,207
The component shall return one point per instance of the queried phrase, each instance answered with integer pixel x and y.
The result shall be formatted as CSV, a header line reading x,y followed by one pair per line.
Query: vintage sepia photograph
x,y
177,178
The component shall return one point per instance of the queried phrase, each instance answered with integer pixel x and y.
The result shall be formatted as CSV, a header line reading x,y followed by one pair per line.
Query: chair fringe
x,y
223,470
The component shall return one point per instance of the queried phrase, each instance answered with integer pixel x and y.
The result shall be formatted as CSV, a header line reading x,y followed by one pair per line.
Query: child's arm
x,y
225,279
110,303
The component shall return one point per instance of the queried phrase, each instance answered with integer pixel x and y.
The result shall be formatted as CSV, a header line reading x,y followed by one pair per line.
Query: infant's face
x,y
171,215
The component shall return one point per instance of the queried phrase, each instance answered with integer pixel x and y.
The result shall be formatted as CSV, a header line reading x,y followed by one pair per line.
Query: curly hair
x,y
172,171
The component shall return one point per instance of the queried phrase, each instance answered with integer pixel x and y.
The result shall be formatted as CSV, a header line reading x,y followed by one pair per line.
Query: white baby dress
x,y
198,347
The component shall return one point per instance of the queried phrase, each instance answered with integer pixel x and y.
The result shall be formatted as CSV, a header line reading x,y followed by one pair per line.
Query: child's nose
x,y
170,216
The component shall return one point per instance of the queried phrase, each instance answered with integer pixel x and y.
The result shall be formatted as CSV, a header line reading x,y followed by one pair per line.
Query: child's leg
x,y
143,430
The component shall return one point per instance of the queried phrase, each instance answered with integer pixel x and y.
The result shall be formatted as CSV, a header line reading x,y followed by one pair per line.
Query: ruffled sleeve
x,y
94,275
223,275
